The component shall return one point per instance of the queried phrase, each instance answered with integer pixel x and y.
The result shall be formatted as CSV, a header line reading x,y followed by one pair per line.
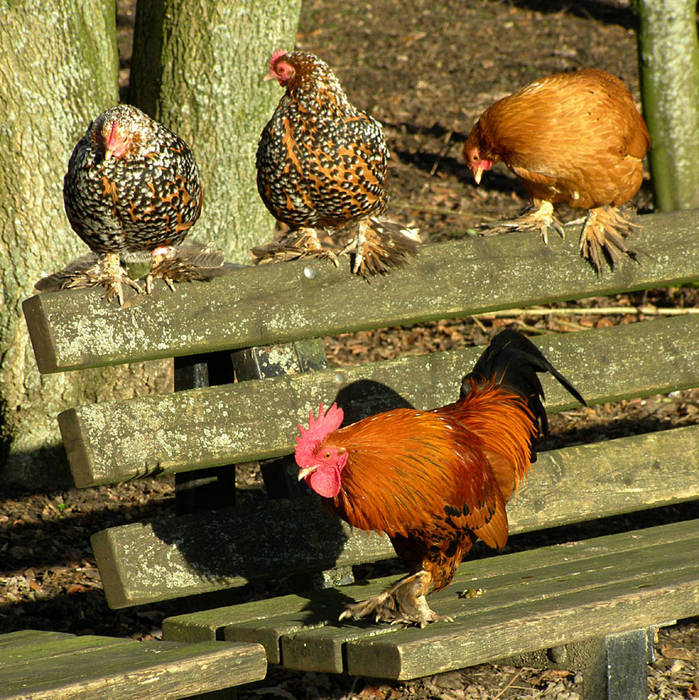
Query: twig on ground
x,y
646,309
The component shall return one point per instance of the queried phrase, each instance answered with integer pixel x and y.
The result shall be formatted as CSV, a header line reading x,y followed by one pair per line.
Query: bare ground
x,y
426,70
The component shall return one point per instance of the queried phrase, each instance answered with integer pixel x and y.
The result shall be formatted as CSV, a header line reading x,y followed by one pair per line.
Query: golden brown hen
x,y
433,481
573,138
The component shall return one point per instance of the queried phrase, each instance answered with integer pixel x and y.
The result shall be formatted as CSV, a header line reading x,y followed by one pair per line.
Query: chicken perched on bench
x,y
321,168
132,187
575,138
433,481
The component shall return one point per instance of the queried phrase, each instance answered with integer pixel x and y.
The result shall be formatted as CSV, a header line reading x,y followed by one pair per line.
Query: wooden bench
x,y
588,604
35,664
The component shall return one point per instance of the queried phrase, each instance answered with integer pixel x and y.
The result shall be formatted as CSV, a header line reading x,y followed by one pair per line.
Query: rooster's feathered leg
x,y
404,602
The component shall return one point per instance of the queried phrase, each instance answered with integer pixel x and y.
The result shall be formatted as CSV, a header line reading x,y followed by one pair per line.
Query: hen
x,y
322,165
433,481
132,186
575,138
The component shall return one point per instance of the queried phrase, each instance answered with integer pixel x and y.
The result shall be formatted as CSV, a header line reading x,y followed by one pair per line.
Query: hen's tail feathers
x,y
514,361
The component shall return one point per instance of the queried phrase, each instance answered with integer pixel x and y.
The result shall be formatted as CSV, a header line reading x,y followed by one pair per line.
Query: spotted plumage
x,y
322,164
132,185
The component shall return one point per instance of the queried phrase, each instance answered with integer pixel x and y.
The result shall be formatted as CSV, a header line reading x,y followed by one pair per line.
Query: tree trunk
x,y
198,68
669,62
58,71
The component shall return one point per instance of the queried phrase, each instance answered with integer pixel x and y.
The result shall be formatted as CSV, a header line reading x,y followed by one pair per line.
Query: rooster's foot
x,y
402,603
603,237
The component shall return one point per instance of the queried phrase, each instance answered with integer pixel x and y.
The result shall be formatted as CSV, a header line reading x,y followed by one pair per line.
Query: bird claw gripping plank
x,y
433,481
574,138
322,165
131,186
403,603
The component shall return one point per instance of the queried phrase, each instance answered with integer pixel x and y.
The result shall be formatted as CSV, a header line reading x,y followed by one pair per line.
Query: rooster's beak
x,y
303,473
477,174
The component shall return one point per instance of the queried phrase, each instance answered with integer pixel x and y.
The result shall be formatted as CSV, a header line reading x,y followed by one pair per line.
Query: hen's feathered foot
x,y
295,244
379,245
541,218
91,271
403,603
603,236
185,263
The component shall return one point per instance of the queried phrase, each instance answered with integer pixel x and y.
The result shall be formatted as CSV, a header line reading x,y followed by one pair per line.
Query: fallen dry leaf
x,y
676,653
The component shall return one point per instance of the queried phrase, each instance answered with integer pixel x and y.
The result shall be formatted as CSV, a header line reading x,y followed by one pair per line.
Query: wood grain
x,y
43,665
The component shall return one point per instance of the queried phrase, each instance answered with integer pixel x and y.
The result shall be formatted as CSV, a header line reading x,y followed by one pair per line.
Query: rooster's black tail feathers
x,y
514,361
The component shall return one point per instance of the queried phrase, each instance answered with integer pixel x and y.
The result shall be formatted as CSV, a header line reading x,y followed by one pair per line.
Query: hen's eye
x,y
327,454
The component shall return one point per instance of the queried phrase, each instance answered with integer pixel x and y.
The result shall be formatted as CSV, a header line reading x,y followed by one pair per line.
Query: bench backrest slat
x,y
281,303
162,559
115,441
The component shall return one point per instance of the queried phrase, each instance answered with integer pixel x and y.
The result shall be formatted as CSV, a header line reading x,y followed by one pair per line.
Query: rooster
x,y
573,138
433,481
321,168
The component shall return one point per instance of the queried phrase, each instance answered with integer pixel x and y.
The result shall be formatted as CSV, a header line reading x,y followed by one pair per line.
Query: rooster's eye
x,y
327,454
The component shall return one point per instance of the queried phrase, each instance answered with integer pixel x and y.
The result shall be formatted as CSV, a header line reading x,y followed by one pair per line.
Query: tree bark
x,y
58,71
669,63
198,68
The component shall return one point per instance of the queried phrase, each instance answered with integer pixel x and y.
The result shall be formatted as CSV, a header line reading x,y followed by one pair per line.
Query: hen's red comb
x,y
275,56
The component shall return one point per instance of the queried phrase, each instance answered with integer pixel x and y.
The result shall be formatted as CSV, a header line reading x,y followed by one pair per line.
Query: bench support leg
x,y
203,489
614,667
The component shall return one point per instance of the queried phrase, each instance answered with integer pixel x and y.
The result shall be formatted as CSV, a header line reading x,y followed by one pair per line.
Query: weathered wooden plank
x,y
44,645
506,593
492,572
161,559
132,670
22,637
542,623
119,440
281,303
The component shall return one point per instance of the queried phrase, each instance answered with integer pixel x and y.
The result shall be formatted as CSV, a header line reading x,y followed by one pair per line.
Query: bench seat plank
x,y
311,640
102,667
517,584
642,601
212,624
167,558
119,440
598,584
281,303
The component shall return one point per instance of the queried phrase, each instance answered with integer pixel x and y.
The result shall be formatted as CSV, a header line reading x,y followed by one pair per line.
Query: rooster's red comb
x,y
318,429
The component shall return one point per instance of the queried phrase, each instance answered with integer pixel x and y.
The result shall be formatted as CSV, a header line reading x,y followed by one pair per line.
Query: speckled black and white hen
x,y
322,165
132,186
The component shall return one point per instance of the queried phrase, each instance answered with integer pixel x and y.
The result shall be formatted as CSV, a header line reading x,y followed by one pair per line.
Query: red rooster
x,y
433,481
575,138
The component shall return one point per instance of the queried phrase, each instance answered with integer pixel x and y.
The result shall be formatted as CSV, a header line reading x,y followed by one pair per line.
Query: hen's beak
x,y
478,174
303,473
269,75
